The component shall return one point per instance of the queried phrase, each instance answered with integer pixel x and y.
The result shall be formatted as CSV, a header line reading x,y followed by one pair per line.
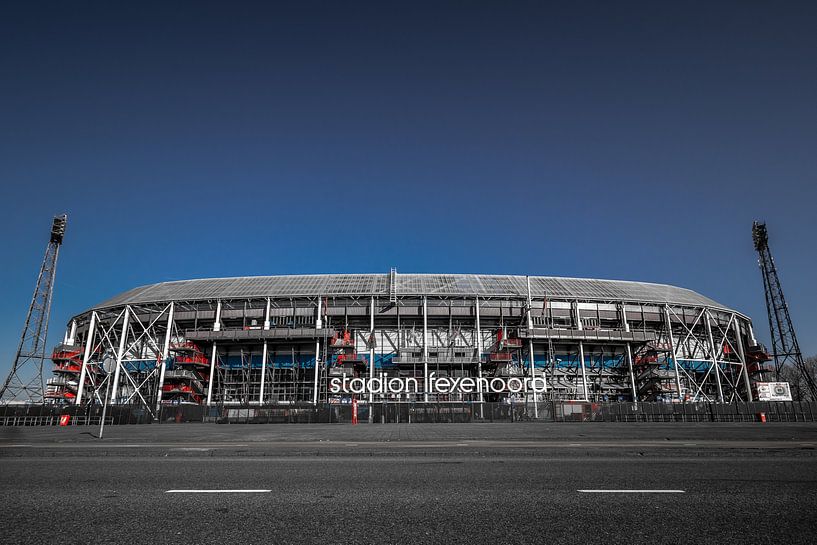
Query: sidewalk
x,y
169,434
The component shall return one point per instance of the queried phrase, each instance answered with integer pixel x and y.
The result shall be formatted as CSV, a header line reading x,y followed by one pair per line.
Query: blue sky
x,y
595,139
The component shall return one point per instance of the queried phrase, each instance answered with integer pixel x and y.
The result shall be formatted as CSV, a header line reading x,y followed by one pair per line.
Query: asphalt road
x,y
496,484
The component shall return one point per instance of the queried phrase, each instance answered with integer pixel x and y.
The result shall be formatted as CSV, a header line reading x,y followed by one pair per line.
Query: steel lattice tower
x,y
25,380
785,348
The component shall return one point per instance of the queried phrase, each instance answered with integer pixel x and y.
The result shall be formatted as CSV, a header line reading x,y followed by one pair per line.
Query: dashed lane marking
x,y
633,491
227,491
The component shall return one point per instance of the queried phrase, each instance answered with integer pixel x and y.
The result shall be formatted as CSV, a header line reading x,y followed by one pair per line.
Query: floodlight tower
x,y
785,348
25,380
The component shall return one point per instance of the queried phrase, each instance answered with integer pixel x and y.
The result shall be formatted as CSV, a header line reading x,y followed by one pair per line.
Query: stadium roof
x,y
410,284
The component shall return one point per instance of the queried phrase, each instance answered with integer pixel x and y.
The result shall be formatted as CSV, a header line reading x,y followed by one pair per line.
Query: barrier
x,y
442,412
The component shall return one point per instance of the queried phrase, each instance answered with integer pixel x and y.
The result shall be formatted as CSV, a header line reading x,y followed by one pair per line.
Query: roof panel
x,y
410,284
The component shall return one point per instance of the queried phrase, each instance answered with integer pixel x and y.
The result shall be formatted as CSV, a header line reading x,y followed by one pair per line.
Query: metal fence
x,y
551,411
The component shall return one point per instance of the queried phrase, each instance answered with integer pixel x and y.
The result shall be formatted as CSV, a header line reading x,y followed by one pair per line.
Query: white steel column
x,y
264,356
674,355
89,341
217,322
371,350
318,349
577,315
580,327
213,360
317,370
214,355
371,360
263,372
626,325
530,350
752,334
70,334
120,353
632,375
164,356
425,348
266,315
742,356
479,358
584,373
714,355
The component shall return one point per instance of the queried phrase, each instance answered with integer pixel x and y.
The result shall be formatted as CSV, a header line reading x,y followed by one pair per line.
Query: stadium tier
x,y
288,339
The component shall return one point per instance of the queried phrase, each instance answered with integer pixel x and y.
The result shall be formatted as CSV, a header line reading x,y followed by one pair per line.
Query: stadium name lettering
x,y
436,385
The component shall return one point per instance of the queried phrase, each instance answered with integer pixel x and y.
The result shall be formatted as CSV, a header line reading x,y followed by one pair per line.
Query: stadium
x,y
277,340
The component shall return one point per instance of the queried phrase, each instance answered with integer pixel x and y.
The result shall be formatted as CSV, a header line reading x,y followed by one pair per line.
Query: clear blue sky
x,y
610,139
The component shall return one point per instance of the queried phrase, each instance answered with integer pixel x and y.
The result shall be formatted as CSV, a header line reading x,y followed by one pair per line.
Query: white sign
x,y
773,391
436,385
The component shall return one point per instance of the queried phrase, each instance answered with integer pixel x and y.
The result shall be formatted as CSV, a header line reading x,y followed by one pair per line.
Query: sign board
x,y
773,391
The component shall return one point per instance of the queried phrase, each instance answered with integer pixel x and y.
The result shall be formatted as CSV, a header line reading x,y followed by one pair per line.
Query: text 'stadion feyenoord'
x,y
436,385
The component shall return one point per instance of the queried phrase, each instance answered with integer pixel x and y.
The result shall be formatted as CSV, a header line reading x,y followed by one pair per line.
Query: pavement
x,y
411,483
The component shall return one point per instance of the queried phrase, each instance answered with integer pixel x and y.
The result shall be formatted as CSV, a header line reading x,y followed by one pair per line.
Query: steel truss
x,y
785,347
126,355
286,350
24,382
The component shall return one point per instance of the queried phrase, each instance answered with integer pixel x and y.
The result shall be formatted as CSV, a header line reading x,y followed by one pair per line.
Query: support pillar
x,y
479,359
263,373
425,348
214,355
742,355
714,355
752,335
530,349
89,342
626,326
213,361
632,375
674,355
371,359
264,356
584,372
318,325
71,334
217,322
577,317
120,353
163,356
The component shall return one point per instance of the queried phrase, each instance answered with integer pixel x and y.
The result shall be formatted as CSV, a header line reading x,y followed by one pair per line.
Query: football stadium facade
x,y
305,339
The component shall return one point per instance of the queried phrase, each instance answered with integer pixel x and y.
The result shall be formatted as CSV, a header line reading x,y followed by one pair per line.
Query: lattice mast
x,y
25,380
785,348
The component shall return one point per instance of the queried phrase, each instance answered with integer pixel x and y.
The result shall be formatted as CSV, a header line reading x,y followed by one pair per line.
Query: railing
x,y
417,412
53,420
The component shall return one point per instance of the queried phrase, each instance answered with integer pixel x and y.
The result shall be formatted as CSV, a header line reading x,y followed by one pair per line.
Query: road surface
x,y
435,483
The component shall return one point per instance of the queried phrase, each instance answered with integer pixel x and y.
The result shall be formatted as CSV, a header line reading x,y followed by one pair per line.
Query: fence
x,y
550,411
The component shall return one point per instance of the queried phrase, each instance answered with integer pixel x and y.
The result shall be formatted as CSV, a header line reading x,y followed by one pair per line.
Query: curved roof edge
x,y
485,285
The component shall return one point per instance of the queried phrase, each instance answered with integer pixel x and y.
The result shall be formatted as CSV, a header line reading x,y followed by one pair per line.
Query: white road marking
x,y
462,444
634,491
216,491
143,445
